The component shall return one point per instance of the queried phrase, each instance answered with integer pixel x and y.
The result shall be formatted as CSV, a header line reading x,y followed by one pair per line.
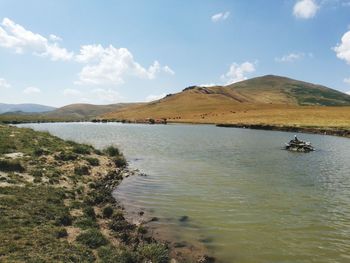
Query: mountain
x,y
26,108
72,112
86,111
267,99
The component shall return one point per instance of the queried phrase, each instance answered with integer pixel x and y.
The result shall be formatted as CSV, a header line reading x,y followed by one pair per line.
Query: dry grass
x,y
265,100
199,110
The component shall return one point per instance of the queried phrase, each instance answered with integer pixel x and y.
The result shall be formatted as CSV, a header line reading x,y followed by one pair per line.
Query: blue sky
x,y
62,52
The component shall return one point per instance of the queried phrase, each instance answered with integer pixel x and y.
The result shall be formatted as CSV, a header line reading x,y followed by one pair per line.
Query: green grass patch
x,y
93,161
112,151
92,238
156,253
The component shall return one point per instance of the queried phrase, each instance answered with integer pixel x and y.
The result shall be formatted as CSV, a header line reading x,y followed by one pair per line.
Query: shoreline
x,y
92,221
180,250
331,131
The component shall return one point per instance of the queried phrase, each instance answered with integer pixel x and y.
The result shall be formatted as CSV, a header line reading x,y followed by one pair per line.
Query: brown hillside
x,y
263,100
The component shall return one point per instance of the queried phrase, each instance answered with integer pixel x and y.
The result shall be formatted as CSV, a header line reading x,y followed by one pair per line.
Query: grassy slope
x,y
86,111
265,100
53,197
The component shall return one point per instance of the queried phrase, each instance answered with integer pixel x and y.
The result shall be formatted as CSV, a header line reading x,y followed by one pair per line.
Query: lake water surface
x,y
246,199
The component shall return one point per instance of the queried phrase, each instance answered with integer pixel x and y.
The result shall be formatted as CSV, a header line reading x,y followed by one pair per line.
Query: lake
x,y
239,194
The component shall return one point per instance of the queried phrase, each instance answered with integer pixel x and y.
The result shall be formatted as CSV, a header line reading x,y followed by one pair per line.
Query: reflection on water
x,y
245,198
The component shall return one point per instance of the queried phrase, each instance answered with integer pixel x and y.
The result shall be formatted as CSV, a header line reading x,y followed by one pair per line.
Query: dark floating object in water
x,y
297,145
184,219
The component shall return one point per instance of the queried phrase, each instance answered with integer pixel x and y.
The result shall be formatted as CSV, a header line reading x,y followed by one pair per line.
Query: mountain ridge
x,y
266,99
25,107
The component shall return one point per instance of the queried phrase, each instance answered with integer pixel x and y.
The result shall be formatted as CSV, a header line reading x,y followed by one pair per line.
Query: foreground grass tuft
x,y
92,238
156,253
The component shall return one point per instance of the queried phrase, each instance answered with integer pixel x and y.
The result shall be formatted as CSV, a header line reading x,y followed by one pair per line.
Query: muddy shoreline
x,y
180,251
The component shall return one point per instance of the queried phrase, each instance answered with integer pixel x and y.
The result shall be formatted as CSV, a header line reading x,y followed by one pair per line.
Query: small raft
x,y
297,145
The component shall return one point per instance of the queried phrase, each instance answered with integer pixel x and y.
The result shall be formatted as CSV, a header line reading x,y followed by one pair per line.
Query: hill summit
x,y
267,99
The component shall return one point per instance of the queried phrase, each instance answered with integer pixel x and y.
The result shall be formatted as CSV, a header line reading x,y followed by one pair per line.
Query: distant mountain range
x,y
263,100
26,108
72,112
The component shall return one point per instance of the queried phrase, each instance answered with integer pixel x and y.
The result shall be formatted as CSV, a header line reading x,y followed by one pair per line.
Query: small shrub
x,y
39,152
92,185
103,195
107,212
82,149
156,253
90,212
53,181
64,220
61,233
86,223
37,173
120,226
118,216
112,151
66,156
109,254
93,161
120,161
81,170
56,174
142,230
92,238
37,180
113,174
11,166
98,152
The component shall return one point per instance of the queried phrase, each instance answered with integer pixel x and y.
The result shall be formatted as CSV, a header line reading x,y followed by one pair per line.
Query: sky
x,y
102,52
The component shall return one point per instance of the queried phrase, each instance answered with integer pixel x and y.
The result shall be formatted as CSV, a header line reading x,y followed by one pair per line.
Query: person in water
x,y
296,140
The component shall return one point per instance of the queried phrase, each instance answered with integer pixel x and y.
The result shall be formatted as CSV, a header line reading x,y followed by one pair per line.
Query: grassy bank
x,y
56,203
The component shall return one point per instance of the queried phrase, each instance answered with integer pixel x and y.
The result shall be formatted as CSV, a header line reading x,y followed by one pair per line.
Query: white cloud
x,y
111,65
55,38
16,37
106,95
238,72
4,84
71,92
31,90
168,70
305,9
220,16
347,80
348,92
98,95
343,49
155,97
206,85
291,57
